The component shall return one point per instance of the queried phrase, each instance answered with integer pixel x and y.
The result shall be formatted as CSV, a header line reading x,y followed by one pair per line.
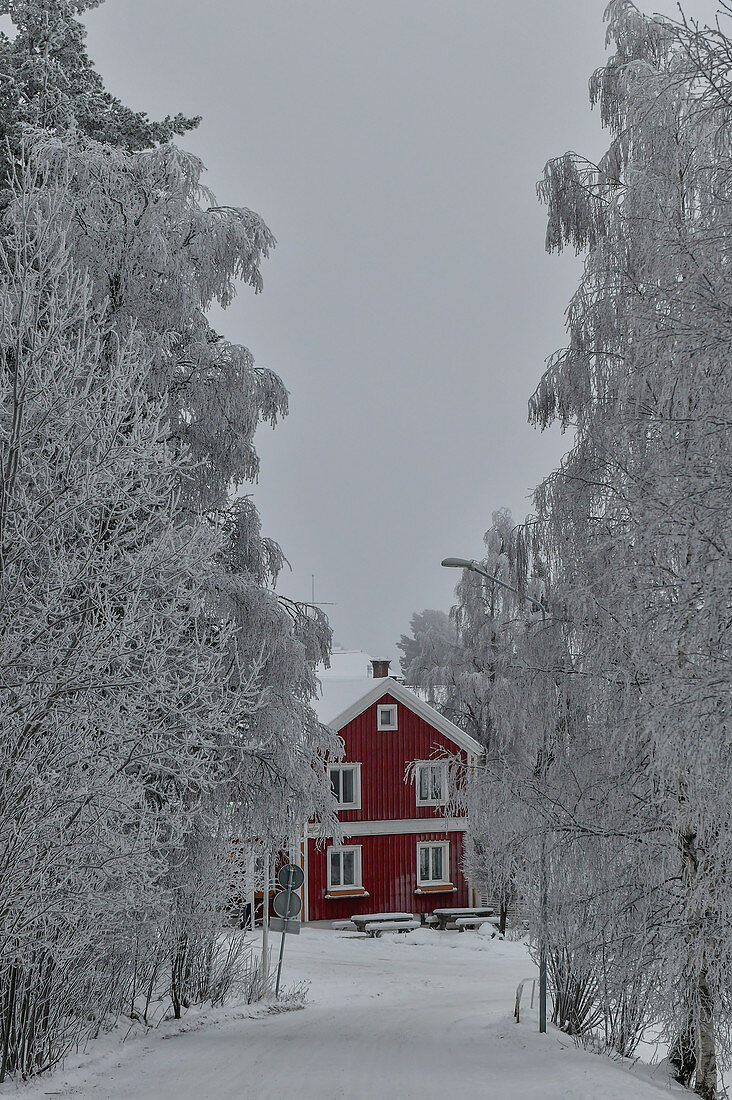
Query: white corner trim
x,y
409,825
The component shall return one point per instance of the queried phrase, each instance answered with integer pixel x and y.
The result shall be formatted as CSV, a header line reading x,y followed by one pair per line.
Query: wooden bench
x,y
375,928
360,920
343,926
450,916
475,922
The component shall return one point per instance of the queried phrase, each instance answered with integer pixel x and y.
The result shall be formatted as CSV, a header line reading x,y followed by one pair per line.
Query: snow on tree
x,y
115,698
635,523
609,729
50,83
456,661
480,680
157,259
429,645
133,250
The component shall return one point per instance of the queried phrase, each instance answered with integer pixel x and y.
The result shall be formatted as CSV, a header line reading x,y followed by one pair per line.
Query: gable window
x,y
344,868
433,863
345,782
386,716
431,784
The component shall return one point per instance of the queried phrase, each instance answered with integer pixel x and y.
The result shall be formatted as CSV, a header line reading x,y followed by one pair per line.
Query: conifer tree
x,y
49,82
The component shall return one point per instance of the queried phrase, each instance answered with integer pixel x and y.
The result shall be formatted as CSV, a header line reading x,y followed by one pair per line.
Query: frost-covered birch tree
x,y
630,547
456,661
197,728
635,524
115,700
482,681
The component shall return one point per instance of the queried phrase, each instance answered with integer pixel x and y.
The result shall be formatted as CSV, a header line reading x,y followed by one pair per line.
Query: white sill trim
x,y
436,888
348,894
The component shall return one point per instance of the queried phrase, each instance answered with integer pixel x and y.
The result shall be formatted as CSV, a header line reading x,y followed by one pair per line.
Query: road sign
x,y
292,927
290,876
287,905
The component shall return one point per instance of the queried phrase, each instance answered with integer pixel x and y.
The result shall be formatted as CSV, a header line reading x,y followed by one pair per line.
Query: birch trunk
x,y
701,999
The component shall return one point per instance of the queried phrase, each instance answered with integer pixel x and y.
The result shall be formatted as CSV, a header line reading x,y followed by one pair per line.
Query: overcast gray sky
x,y
393,148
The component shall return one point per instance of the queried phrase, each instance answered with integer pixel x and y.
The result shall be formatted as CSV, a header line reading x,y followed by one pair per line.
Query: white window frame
x,y
445,880
358,867
356,769
381,722
419,765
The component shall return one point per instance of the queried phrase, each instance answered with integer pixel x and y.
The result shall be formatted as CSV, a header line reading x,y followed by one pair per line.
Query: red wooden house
x,y
399,852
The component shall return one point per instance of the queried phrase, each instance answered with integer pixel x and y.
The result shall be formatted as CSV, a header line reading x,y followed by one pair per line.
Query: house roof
x,y
338,695
354,696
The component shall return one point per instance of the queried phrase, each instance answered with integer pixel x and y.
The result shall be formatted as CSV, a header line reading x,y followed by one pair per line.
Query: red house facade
x,y
399,851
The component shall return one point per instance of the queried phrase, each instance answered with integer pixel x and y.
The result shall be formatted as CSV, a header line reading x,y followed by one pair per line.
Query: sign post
x,y
265,916
287,905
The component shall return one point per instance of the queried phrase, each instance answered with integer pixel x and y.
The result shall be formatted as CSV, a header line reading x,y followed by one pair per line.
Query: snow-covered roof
x,y
354,696
348,678
339,695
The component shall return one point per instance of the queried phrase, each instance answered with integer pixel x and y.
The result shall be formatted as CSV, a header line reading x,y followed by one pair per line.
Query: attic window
x,y
386,716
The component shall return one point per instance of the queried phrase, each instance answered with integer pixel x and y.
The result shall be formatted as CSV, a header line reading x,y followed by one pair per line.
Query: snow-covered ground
x,y
422,1015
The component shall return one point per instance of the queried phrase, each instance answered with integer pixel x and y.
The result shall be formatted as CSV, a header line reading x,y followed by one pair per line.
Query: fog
x,y
393,149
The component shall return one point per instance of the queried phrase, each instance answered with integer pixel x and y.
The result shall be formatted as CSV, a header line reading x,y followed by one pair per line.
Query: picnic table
x,y
376,927
462,923
450,916
360,920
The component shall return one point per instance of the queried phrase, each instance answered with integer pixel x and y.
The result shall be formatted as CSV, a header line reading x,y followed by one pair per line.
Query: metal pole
x,y
251,900
543,886
265,918
542,939
284,932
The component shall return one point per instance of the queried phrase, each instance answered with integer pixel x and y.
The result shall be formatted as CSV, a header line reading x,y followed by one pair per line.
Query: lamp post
x,y
474,567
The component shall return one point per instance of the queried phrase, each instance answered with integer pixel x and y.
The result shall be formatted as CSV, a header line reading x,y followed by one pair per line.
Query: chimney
x,y
380,667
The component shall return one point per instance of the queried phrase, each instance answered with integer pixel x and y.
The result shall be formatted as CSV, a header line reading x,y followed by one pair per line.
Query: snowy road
x,y
420,1016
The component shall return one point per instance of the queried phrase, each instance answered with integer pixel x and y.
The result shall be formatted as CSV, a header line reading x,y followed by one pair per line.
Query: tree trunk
x,y
706,1072
698,1044
682,1055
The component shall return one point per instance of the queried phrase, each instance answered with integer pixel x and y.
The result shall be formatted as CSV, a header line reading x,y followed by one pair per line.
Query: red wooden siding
x,y
389,866
384,755
389,862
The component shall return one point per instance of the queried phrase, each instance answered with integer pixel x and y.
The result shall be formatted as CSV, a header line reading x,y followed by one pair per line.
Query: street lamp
x,y
474,567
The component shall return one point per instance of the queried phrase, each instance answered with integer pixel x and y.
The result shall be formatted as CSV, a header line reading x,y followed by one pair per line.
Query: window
x,y
433,864
386,716
431,784
344,868
345,782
